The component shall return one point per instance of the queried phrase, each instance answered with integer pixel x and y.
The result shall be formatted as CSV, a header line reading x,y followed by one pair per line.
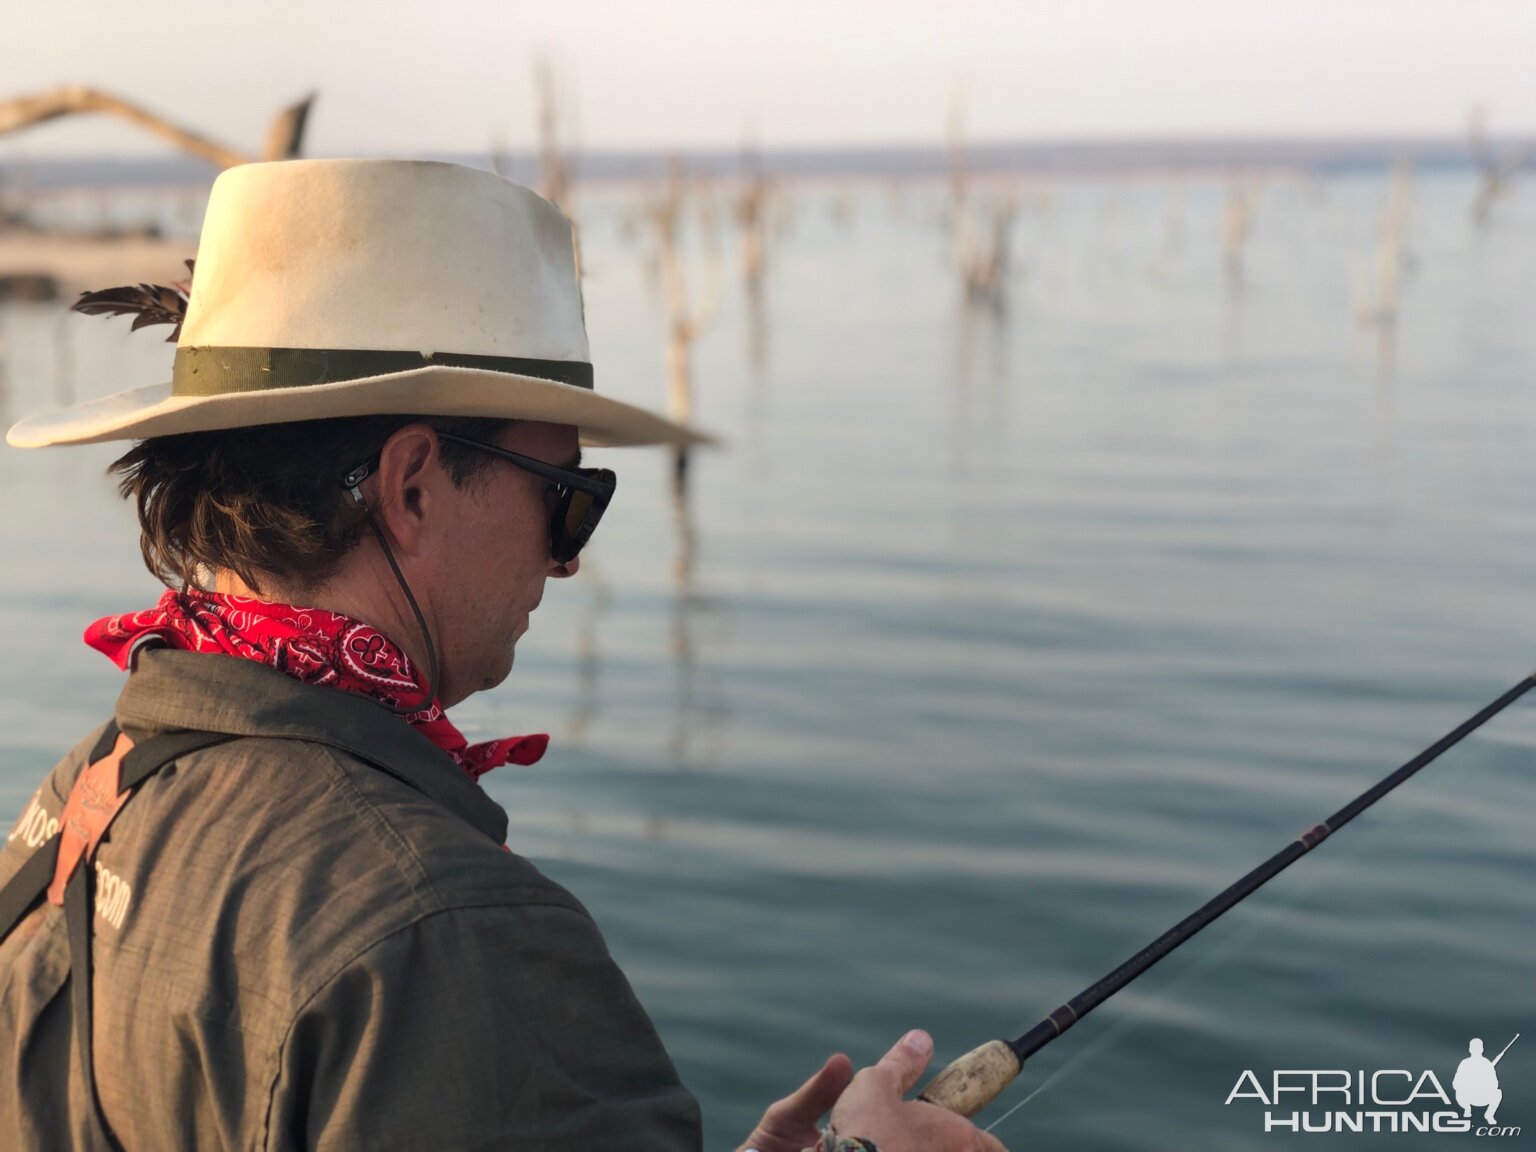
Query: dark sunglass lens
x,y
575,517
576,509
566,534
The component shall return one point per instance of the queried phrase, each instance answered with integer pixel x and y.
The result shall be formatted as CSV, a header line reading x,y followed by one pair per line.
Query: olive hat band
x,y
214,371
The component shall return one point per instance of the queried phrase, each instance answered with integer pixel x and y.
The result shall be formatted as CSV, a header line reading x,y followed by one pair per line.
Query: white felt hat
x,y
365,287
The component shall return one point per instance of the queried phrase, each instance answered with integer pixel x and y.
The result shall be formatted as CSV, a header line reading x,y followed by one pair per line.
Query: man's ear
x,y
408,483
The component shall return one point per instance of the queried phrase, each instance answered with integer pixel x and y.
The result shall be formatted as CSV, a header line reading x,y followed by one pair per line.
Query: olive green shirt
x,y
319,945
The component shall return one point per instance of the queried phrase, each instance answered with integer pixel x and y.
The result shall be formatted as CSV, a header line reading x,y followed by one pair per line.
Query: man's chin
x,y
497,675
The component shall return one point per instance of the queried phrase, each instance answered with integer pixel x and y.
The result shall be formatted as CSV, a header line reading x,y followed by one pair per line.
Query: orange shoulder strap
x,y
93,803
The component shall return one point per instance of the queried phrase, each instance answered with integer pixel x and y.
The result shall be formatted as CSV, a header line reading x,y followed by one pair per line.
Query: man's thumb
x,y
908,1059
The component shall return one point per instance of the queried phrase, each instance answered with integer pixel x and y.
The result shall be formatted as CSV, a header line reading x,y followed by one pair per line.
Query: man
x,y
268,905
1476,1083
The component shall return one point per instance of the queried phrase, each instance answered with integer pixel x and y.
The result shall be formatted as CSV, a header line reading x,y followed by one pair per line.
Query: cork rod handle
x,y
973,1081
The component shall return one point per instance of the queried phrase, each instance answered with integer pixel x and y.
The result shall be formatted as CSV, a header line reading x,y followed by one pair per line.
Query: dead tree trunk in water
x,y
981,254
684,322
555,180
1238,205
752,218
1498,172
284,139
1376,305
752,202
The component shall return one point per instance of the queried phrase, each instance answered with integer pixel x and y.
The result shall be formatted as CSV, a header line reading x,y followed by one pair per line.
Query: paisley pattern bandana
x,y
313,646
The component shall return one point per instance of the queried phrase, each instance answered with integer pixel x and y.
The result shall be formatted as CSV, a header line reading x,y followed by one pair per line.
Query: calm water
x,y
991,646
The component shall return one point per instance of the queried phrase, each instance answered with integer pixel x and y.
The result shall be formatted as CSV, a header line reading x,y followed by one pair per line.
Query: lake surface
x,y
990,646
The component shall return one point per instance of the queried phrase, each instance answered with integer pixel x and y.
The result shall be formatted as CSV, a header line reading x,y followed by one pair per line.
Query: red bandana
x,y
314,647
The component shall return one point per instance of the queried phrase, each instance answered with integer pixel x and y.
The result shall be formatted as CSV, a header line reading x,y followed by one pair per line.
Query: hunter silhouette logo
x,y
1385,1100
1477,1080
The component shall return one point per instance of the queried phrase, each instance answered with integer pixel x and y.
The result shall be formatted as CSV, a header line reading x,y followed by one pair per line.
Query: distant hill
x,y
1058,157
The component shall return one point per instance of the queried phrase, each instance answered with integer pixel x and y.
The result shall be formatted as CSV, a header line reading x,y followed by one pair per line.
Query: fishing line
x,y
974,1080
1128,1024
1022,1102
1263,917
1221,951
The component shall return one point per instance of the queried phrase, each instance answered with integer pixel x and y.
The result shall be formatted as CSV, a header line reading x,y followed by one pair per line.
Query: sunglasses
x,y
581,495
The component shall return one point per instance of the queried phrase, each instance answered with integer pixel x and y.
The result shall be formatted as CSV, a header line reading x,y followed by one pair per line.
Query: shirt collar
x,y
170,689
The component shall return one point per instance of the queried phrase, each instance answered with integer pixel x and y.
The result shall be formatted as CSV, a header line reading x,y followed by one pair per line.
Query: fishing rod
x,y
975,1080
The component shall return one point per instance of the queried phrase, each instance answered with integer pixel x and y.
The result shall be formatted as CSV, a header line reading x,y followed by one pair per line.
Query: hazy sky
x,y
411,76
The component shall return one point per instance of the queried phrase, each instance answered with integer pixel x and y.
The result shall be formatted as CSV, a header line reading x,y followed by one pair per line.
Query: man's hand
x,y
790,1124
873,1107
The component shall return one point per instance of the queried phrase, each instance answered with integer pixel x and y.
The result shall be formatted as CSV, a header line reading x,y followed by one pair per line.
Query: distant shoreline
x,y
1319,155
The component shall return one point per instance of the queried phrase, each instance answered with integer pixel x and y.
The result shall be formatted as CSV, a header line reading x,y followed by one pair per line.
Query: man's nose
x,y
569,568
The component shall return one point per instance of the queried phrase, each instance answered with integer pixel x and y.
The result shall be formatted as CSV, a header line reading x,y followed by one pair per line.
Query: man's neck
x,y
358,599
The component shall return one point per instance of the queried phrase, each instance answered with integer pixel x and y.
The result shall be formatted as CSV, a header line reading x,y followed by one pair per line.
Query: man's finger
x,y
908,1059
816,1096
807,1103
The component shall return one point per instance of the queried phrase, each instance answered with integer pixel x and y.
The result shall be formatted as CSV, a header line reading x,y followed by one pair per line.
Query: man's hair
x,y
267,502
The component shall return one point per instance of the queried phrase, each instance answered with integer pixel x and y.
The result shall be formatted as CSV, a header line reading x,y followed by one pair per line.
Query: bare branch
x,y
25,111
285,139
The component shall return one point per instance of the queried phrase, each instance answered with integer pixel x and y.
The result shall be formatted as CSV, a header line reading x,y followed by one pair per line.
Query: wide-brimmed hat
x,y
328,288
